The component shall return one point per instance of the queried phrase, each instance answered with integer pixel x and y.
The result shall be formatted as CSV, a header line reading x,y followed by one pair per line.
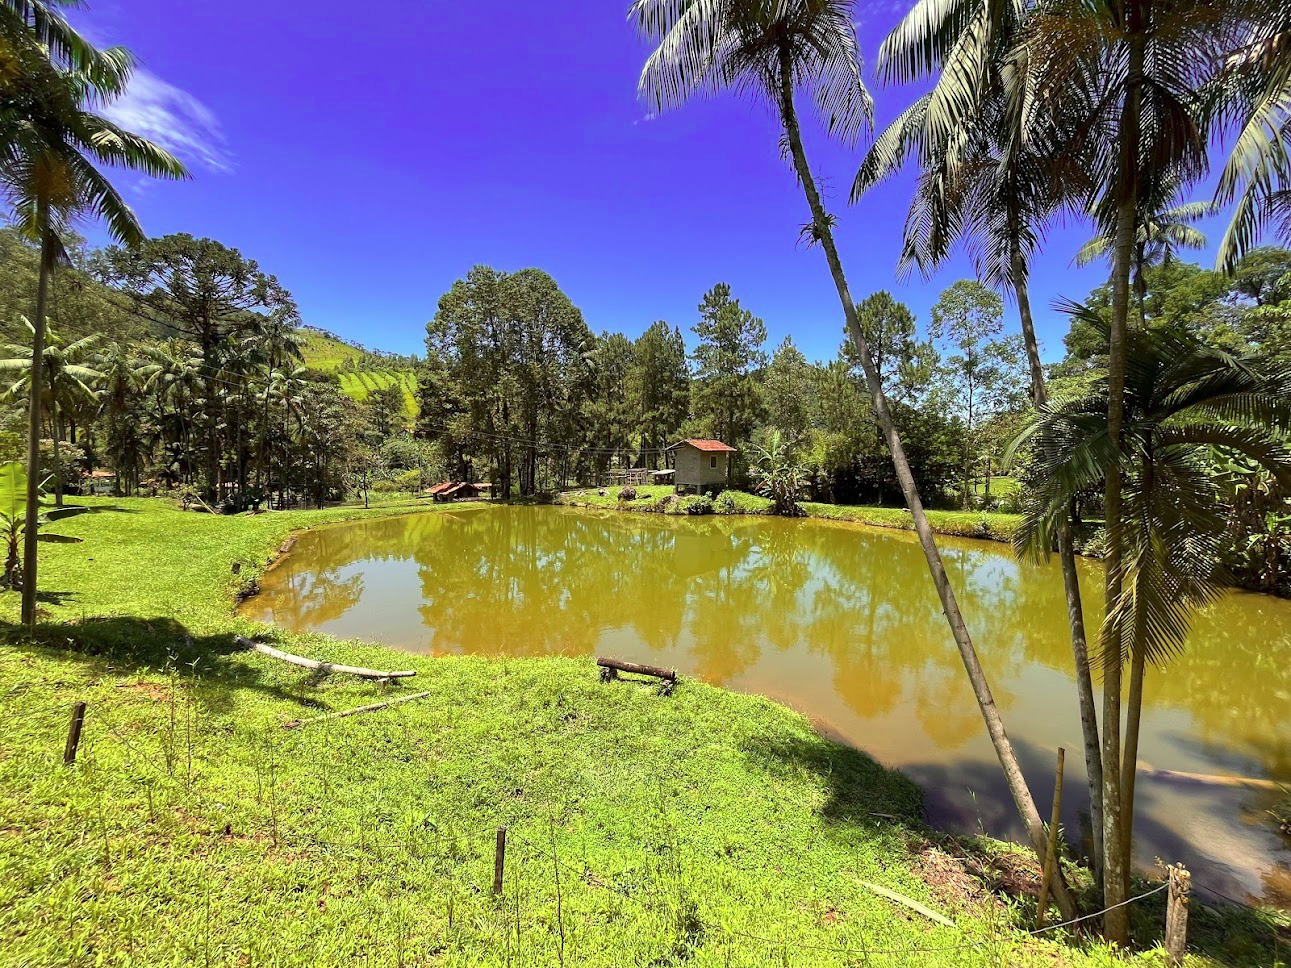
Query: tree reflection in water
x,y
838,620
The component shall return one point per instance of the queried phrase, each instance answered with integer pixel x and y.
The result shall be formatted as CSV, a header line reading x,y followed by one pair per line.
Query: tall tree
x,y
518,360
990,176
727,354
659,386
789,389
206,292
51,140
981,374
773,50
1126,79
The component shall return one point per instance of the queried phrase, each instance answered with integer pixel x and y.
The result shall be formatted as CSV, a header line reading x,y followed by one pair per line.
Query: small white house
x,y
701,465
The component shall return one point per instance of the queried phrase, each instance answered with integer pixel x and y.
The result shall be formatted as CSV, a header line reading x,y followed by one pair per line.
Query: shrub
x,y
725,504
691,504
628,494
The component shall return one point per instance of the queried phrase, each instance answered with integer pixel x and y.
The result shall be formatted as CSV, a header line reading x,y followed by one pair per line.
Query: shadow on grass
x,y
861,790
161,646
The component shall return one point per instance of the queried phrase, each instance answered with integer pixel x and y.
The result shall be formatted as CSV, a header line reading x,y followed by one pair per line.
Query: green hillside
x,y
324,352
361,372
357,384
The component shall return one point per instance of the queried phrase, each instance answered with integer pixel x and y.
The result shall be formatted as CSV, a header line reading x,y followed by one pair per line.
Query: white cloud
x,y
174,119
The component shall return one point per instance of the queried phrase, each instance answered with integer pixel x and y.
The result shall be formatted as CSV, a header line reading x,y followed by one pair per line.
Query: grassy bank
x,y
992,526
705,827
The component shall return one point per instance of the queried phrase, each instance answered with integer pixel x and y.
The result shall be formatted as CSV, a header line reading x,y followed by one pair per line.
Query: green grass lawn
x,y
705,827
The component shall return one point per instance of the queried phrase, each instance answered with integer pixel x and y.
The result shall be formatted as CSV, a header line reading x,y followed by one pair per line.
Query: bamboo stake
x,y
1051,852
355,711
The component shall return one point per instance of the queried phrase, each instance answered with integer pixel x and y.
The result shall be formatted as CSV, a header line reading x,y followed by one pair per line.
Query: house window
x,y
712,462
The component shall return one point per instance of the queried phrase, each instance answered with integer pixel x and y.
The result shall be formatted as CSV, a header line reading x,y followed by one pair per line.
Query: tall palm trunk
x,y
1070,580
1021,793
48,248
1134,702
58,436
1115,871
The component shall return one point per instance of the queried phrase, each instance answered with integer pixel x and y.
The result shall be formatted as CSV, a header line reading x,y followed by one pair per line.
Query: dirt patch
x,y
149,690
949,878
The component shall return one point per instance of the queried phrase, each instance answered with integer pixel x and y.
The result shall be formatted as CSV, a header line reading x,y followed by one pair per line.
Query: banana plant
x,y
13,520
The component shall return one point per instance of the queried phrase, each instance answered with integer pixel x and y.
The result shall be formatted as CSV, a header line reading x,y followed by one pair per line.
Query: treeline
x,y
517,389
177,364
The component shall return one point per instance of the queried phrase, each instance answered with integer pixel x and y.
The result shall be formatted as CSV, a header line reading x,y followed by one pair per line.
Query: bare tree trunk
x,y
1130,754
48,245
58,433
1134,702
1084,691
1017,784
1070,585
1116,921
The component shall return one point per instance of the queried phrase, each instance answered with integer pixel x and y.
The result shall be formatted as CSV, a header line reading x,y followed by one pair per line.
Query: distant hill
x,y
326,351
360,370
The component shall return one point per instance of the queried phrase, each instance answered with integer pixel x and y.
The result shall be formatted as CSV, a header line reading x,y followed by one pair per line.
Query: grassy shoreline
x,y
706,827
985,525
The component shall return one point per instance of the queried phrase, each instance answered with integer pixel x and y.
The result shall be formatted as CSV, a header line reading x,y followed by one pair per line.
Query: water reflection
x,y
842,623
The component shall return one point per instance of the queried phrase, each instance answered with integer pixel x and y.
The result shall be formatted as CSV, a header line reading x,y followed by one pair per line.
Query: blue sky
x,y
368,155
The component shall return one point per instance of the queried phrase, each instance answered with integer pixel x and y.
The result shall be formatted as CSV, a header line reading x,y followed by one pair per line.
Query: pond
x,y
842,623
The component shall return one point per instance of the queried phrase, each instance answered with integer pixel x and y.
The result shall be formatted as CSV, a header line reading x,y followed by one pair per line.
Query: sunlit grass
x,y
194,829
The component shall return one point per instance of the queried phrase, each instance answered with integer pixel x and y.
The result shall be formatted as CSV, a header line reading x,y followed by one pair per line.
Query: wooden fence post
x,y
1051,852
499,860
74,734
1176,914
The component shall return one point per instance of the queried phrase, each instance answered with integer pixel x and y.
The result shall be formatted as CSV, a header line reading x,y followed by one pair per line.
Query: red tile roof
x,y
441,488
708,446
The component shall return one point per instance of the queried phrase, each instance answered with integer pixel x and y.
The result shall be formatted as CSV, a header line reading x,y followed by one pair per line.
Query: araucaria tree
x,y
773,50
217,299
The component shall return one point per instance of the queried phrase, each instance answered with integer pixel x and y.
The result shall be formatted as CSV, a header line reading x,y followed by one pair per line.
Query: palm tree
x,y
1162,231
1184,401
278,339
50,143
987,177
173,372
771,50
120,405
67,379
1122,81
1254,88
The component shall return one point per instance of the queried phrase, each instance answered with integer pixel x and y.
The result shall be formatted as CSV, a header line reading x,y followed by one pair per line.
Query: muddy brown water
x,y
842,623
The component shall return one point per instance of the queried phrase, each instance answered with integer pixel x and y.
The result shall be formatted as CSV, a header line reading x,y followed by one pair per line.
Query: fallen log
x,y
355,711
611,667
317,666
1209,779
